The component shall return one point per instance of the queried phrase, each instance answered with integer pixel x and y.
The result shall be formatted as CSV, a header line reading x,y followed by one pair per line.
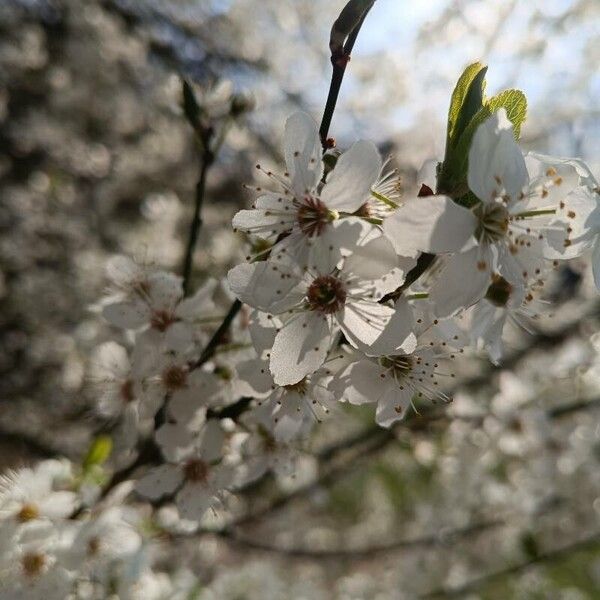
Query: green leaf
x,y
467,100
453,175
98,452
515,104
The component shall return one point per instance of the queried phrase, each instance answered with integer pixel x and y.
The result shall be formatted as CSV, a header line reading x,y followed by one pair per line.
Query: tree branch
x,y
549,556
207,158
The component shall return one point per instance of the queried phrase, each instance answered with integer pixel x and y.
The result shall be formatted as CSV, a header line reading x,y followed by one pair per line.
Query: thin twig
x,y
207,158
441,538
339,62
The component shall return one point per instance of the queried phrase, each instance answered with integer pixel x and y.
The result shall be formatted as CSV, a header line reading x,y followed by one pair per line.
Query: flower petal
x,y
496,163
463,281
262,285
159,482
431,224
361,382
302,150
393,406
300,348
349,185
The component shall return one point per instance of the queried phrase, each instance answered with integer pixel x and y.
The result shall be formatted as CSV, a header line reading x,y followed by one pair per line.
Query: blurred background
x,y
97,159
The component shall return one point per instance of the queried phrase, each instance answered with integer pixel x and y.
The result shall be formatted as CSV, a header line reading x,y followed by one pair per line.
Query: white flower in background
x,y
30,567
193,473
107,536
395,380
261,453
302,216
323,299
170,374
159,304
111,373
39,493
505,231
288,411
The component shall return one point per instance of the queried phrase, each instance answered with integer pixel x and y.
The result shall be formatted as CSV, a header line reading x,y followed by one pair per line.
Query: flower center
x,y
326,294
299,387
127,394
162,320
313,216
400,365
493,222
28,512
174,378
93,546
33,563
196,470
499,291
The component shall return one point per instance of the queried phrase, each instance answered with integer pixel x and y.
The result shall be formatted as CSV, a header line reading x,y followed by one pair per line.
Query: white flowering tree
x,y
358,315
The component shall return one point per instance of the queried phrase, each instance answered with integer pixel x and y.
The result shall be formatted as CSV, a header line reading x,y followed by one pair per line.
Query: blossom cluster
x,y
351,293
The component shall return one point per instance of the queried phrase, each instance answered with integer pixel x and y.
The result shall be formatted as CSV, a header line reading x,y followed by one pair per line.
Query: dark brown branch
x,y
339,60
206,160
441,538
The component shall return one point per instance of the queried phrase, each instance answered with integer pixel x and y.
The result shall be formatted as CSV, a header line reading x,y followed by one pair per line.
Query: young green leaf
x,y
467,100
515,104
98,452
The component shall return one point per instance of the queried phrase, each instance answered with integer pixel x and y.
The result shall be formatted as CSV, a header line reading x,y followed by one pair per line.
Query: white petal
x,y
398,335
364,321
372,260
349,185
393,406
128,315
199,304
58,505
263,329
361,382
302,150
193,500
123,271
159,481
463,281
300,348
110,360
256,379
174,440
430,224
165,291
211,440
496,163
262,285
263,223
339,239
596,262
